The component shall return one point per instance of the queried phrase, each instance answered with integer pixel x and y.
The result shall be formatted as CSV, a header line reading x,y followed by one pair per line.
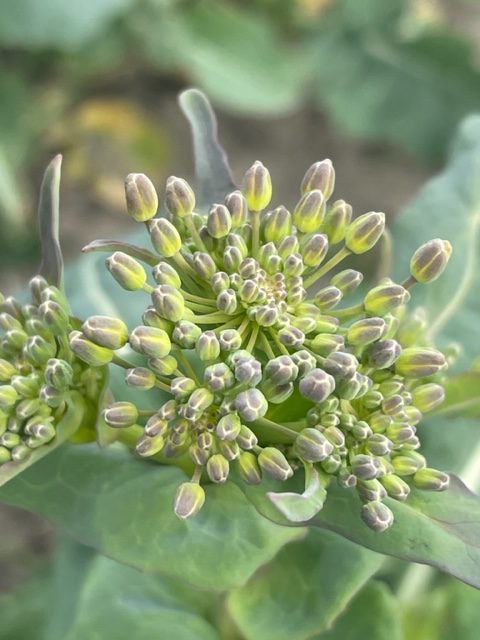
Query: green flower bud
x,y
309,212
204,265
165,237
186,334
232,258
337,221
288,245
340,364
371,490
431,479
7,370
26,386
393,405
219,221
58,373
181,387
320,175
5,455
429,261
20,452
383,354
179,197
248,468
151,319
317,385
141,197
189,499
8,397
121,414
37,284
248,372
246,438
399,433
9,323
257,187
218,377
51,396
326,343
227,301
377,516
230,340
149,446
378,445
407,465
150,341
364,232
251,404
156,426
273,462
277,225
312,446
105,331
168,302
385,298
198,455
325,324
416,362
334,435
15,340
127,271
347,280
163,273
218,468
220,281
314,249
228,427
293,265
140,378
10,440
237,205
328,297
207,346
54,316
366,331
365,467
13,308
38,350
200,400
277,393
427,397
396,487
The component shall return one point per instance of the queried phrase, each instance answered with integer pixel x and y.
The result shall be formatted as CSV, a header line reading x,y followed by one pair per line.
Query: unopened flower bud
x,y
163,273
417,362
165,237
383,354
320,175
371,490
347,280
317,385
429,261
200,399
281,370
337,221
395,487
365,467
385,298
230,340
228,427
366,331
407,465
251,404
218,468
364,232
168,302
257,187
227,301
38,350
91,353
54,315
378,445
149,445
304,360
341,364
246,438
291,337
248,468
141,197
377,516
219,221
121,414
427,397
431,479
105,331
58,373
189,499
309,212
8,397
186,334
273,462
7,370
140,378
156,426
150,341
179,197
127,271
314,249
220,281
312,446
181,387
237,205
328,297
277,225
219,377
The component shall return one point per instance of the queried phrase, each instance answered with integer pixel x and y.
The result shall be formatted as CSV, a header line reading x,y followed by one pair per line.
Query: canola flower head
x,y
247,310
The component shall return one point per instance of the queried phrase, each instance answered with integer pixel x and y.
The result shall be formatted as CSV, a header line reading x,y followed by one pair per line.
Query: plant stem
x,y
334,260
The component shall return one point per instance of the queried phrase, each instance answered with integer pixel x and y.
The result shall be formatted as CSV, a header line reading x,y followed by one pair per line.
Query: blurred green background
x,y
377,85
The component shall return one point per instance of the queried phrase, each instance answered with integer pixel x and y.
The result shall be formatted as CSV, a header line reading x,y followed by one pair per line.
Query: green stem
x,y
347,312
253,338
255,222
194,233
266,346
334,260
409,282
282,348
187,367
280,428
211,318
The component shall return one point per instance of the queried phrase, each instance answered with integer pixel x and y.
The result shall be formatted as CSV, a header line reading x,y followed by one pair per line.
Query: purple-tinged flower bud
x,y
230,340
251,404
314,249
246,438
320,175
377,516
364,232
58,373
189,499
186,334
218,377
291,337
312,446
140,378
91,353
227,301
278,225
337,221
163,273
365,467
106,331
208,346
328,297
228,427
347,280
281,370
418,362
149,445
287,246
168,302
248,468
248,372
378,445
371,490
141,197
237,205
204,265
150,341
309,212
383,354
54,316
121,414
396,488
218,468
165,237
179,197
385,298
429,261
257,187
273,462
431,479
127,271
304,360
317,385
340,364
219,221
427,397
366,331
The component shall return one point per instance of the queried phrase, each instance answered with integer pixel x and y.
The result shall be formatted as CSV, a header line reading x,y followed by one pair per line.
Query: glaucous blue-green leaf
x,y
439,529
95,597
373,614
123,508
49,217
304,589
409,87
23,610
55,23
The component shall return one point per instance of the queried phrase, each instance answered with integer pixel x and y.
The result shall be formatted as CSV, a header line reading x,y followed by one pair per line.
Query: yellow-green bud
x,y
179,197
163,273
218,377
385,298
364,232
406,465
150,341
227,301
218,468
208,346
106,331
230,340
248,468
347,280
8,397
431,479
312,446
165,237
168,302
219,221
7,370
163,366
314,249
416,362
246,438
366,331
5,455
204,264
140,378
189,499
395,487
257,187
273,462
377,516
54,315
383,354
277,225
320,175
325,343
27,386
237,205
149,445
121,414
228,427
337,220
91,353
328,297
427,397
37,284
181,387
58,373
371,490
38,350
309,212
141,197
429,261
127,271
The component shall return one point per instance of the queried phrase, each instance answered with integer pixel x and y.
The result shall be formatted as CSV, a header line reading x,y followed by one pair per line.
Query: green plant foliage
x,y
123,508
279,603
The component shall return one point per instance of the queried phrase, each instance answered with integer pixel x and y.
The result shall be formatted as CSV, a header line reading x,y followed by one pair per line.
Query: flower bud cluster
x,y
38,370
246,313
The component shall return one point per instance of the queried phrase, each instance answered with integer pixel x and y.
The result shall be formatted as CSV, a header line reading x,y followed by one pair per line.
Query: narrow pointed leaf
x,y
117,245
301,507
51,266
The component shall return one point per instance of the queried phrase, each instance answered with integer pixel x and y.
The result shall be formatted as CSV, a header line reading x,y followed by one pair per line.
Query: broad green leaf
x,y
56,23
48,215
449,207
122,507
462,396
373,614
379,81
439,529
304,589
212,172
23,610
